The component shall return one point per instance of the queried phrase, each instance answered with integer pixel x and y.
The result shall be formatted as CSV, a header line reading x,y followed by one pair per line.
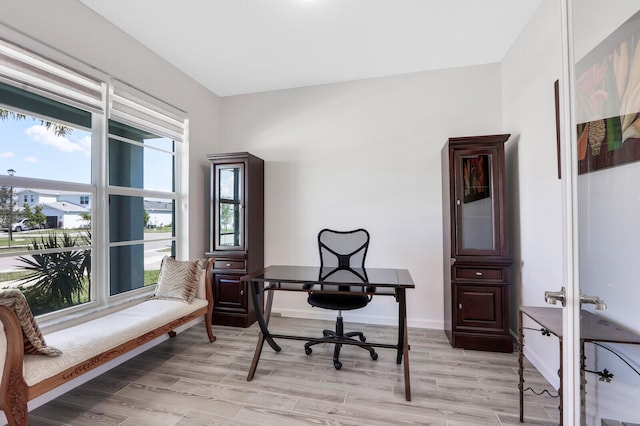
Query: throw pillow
x,y
32,337
178,279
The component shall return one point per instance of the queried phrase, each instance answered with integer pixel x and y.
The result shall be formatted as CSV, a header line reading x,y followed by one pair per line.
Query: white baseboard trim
x,y
353,316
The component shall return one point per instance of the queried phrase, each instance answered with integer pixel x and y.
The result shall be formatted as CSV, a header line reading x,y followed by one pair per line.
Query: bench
x,y
90,345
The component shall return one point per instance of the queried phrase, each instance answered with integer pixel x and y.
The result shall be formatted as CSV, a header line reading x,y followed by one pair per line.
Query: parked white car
x,y
22,225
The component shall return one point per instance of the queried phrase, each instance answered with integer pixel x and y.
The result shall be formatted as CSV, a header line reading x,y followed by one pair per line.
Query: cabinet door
x,y
477,202
228,206
480,308
230,294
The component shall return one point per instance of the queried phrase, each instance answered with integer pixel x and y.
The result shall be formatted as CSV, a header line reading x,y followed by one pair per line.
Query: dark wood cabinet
x,y
476,252
237,233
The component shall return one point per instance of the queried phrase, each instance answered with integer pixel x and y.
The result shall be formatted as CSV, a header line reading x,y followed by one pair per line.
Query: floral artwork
x,y
608,101
475,175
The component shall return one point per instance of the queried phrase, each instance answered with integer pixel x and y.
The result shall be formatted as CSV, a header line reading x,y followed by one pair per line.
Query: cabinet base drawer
x,y
478,274
230,264
479,342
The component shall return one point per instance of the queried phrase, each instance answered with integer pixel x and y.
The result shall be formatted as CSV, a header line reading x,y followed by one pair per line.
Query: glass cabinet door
x,y
229,206
476,228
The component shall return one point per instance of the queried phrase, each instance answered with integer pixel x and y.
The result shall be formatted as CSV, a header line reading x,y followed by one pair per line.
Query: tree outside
x,y
36,217
57,280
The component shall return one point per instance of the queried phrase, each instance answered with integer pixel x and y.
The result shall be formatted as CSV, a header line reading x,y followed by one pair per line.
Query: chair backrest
x,y
343,250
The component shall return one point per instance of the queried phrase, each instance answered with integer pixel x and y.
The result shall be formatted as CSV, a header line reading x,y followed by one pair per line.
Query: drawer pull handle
x,y
479,274
459,305
228,264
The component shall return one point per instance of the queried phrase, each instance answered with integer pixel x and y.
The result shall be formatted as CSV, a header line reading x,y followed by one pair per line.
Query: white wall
x,y
77,31
529,71
363,154
609,228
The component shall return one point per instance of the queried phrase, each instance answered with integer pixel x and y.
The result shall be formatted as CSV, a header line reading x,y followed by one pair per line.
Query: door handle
x,y
594,300
551,297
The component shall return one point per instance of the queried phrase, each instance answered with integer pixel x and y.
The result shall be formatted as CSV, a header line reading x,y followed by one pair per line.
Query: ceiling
x,y
243,46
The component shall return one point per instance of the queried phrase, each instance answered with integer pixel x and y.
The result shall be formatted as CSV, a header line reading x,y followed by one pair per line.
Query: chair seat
x,y
338,302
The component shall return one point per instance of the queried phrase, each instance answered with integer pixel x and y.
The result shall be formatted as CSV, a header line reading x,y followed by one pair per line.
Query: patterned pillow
x,y
31,335
178,279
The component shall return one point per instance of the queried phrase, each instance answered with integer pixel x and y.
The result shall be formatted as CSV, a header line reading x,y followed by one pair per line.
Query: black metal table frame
x,y
259,285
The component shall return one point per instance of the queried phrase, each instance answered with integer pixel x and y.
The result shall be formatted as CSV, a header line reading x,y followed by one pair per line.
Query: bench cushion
x,y
83,341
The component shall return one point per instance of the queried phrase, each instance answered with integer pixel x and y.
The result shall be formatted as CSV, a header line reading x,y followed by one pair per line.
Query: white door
x,y
601,347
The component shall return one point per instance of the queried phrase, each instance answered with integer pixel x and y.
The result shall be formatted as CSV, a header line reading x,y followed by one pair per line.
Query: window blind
x,y
138,109
30,71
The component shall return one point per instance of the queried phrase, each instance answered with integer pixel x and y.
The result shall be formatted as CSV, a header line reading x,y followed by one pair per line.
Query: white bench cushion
x,y
83,341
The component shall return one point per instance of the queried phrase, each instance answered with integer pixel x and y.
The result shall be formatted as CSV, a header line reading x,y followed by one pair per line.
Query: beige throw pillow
x,y
32,337
178,279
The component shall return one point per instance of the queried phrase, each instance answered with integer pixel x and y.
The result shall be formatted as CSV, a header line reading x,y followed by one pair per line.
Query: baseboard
x,y
353,316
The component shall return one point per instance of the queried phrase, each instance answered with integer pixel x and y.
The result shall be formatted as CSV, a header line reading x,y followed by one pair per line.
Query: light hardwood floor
x,y
187,381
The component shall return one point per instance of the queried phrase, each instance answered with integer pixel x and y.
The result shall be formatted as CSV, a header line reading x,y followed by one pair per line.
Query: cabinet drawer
x,y
229,264
471,273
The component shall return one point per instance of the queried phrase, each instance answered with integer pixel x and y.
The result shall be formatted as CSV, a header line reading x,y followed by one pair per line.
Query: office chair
x,y
340,253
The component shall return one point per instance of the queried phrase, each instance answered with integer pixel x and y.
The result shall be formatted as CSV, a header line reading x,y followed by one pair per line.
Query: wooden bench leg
x,y
14,400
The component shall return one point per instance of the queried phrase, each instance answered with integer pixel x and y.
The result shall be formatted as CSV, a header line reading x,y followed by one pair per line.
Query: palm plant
x,y
55,278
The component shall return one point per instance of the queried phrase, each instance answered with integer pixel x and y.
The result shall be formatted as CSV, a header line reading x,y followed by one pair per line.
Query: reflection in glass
x,y
229,199
476,205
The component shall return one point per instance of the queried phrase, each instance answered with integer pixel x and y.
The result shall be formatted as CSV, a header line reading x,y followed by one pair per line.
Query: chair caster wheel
x,y
337,365
374,355
307,350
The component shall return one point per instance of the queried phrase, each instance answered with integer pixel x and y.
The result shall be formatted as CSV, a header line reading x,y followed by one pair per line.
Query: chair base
x,y
338,337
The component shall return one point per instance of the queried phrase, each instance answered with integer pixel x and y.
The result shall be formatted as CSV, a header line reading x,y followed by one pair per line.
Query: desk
x,y
594,328
379,282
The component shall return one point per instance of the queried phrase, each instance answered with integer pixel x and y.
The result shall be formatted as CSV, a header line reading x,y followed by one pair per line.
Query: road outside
x,y
153,253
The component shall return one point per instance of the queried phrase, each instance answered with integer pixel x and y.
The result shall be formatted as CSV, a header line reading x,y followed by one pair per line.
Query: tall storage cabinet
x,y
476,253
236,233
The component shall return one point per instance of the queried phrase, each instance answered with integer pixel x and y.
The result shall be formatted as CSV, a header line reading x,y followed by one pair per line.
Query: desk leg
x,y
263,321
521,365
403,341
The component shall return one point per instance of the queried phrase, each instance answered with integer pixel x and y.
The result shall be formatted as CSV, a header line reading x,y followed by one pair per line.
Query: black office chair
x,y
341,253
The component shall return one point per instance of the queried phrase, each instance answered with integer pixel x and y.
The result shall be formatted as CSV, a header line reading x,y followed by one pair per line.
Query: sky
x,y
32,150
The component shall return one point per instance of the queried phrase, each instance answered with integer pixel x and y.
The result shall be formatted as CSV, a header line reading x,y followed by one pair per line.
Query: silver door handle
x,y
551,297
594,300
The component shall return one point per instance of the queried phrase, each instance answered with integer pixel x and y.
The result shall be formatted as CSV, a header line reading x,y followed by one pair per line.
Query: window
x,y
141,167
113,228
32,150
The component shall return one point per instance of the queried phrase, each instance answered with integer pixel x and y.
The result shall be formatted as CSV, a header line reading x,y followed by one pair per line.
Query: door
x,y
601,383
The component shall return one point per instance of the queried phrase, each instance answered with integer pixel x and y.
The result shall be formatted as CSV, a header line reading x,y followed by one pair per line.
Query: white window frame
x,y
120,102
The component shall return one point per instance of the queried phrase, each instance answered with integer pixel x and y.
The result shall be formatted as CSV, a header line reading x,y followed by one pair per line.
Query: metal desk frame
x,y
381,282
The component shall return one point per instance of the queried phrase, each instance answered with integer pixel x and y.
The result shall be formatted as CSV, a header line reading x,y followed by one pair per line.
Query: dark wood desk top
x,y
594,327
311,278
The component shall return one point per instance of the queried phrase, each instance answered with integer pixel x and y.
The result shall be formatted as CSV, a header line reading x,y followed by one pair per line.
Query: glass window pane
x,y
49,289
137,265
137,218
143,167
33,209
38,148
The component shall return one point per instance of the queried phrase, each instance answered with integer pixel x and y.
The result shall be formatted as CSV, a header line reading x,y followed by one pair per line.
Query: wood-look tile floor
x,y
187,381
